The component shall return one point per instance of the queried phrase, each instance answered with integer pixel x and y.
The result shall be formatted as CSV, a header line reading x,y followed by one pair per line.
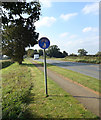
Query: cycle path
x,y
90,99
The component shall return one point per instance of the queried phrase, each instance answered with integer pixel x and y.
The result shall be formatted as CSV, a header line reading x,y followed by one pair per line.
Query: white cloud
x,y
90,29
90,43
64,34
91,8
68,16
45,21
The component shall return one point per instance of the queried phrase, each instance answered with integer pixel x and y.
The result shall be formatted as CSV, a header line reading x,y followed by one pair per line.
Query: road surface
x,y
84,68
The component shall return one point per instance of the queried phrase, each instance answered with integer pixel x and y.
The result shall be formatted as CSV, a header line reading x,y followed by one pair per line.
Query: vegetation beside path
x,y
84,80
16,86
24,96
82,59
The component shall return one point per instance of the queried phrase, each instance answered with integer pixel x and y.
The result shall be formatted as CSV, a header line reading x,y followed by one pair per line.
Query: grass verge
x,y
24,98
16,85
59,104
84,80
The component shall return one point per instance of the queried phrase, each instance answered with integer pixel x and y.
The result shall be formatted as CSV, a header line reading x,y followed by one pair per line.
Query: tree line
x,y
54,51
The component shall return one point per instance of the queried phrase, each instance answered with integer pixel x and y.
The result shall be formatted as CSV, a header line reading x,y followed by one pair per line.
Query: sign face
x,y
44,43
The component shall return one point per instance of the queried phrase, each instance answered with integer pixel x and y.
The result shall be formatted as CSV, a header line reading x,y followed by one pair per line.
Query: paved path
x,y
88,98
84,68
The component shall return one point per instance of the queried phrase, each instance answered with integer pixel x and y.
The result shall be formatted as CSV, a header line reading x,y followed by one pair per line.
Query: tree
x,y
19,31
65,53
73,55
30,53
40,52
35,51
98,53
82,52
54,51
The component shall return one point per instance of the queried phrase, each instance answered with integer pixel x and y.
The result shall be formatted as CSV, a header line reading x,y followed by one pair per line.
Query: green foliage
x,y
30,53
35,51
82,52
19,32
54,51
40,52
65,53
18,9
72,54
85,59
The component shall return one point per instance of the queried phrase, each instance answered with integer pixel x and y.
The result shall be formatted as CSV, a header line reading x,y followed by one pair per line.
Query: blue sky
x,y
70,25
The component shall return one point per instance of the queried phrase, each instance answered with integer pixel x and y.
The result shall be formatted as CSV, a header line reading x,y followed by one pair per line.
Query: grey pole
x,y
45,73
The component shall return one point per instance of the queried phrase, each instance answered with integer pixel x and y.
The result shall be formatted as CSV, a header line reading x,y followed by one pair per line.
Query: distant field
x,y
24,96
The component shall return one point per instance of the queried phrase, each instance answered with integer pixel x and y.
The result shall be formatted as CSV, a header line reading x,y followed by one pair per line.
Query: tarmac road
x,y
84,68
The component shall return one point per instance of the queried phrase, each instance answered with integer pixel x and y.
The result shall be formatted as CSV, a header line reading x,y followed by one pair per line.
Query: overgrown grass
x,y
24,96
16,85
84,59
87,81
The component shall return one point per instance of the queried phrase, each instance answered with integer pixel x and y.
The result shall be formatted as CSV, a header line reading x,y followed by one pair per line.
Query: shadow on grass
x,y
28,114
6,64
28,65
75,96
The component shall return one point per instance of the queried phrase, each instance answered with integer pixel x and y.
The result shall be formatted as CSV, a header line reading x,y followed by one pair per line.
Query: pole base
x,y
47,95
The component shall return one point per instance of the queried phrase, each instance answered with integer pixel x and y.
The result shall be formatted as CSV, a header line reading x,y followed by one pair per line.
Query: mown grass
x,y
59,104
23,94
87,81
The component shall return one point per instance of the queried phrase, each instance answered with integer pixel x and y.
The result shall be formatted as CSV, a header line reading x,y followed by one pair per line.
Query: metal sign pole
x,y
44,43
45,73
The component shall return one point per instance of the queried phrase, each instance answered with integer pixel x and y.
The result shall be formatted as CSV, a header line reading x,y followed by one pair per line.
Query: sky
x,y
70,25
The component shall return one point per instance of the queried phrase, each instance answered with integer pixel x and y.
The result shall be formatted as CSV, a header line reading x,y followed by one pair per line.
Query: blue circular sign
x,y
44,43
